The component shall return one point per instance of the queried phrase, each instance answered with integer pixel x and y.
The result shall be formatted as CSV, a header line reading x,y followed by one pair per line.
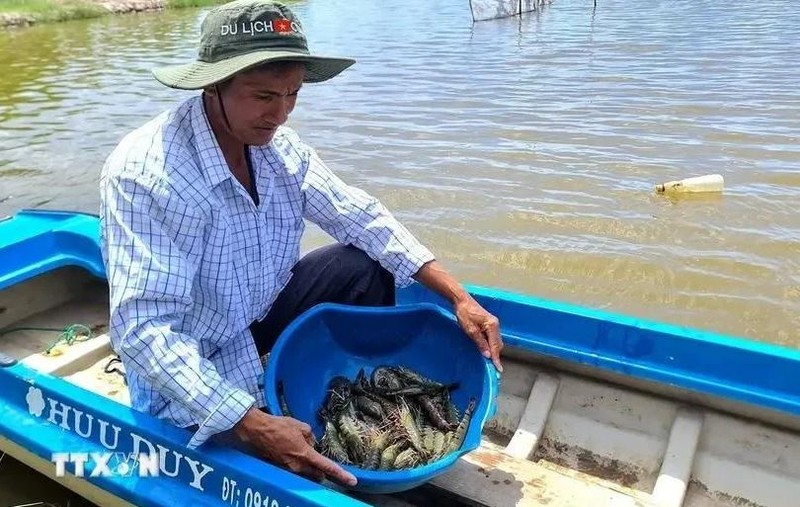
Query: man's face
x,y
258,102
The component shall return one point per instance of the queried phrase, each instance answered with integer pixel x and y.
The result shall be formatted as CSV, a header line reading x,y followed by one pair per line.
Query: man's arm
x,y
481,326
152,245
354,217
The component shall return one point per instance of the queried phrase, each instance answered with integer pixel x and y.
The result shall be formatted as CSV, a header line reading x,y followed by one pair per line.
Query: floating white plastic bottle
x,y
707,183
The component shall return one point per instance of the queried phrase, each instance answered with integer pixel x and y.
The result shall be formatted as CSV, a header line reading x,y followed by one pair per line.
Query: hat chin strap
x,y
224,113
222,108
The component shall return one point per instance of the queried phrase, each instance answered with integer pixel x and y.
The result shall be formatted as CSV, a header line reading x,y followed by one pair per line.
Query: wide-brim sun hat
x,y
245,33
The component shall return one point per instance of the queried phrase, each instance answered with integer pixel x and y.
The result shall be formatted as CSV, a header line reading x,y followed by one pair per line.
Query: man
x,y
202,215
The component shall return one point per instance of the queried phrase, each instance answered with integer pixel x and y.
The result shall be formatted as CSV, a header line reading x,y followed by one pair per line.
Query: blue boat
x,y
595,409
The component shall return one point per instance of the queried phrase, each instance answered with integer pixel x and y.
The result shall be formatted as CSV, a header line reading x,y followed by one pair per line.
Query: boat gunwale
x,y
613,352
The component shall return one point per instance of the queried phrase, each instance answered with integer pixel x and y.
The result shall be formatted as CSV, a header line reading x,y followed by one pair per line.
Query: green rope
x,y
69,335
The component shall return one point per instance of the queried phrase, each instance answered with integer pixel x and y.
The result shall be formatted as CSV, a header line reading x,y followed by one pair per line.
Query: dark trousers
x,y
330,274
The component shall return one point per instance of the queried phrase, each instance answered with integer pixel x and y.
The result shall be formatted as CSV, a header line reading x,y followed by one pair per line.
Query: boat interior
x,y
563,435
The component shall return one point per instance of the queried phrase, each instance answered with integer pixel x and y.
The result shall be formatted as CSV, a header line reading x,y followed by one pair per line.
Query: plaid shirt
x,y
192,261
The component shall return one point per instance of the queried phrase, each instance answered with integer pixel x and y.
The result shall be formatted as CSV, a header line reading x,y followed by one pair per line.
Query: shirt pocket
x,y
286,228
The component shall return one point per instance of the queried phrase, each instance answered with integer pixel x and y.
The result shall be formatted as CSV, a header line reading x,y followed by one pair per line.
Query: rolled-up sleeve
x,y
354,217
152,243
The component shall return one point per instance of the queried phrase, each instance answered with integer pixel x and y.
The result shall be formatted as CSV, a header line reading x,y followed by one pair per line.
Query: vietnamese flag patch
x,y
283,25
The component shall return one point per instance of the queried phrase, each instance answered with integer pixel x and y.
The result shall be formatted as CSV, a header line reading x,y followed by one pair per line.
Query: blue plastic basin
x,y
332,339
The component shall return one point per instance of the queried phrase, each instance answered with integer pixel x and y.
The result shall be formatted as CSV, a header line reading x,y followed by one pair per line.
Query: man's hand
x,y
482,327
288,443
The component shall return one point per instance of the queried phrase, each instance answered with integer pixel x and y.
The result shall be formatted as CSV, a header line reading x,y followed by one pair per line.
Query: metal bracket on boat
x,y
6,360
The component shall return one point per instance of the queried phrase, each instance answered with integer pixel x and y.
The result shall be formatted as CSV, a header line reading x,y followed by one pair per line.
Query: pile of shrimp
x,y
394,419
